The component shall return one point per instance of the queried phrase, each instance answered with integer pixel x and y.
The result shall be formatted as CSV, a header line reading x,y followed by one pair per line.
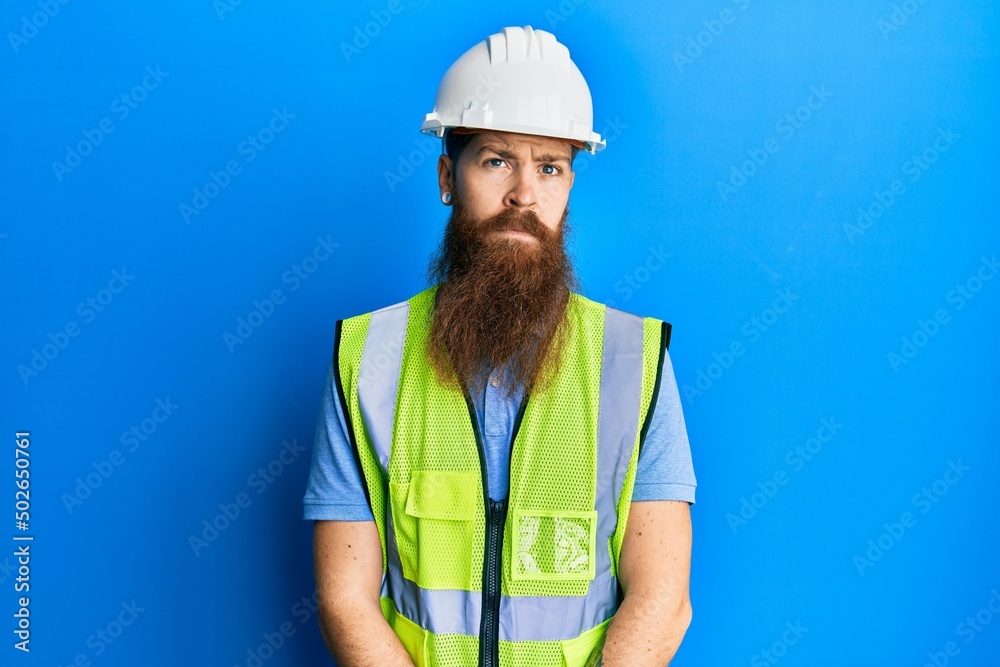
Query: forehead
x,y
521,145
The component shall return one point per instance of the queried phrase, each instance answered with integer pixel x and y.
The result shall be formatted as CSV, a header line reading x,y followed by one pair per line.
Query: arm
x,y
348,561
654,570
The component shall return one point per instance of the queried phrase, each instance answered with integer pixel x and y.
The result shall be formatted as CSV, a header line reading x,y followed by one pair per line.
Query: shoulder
x,y
656,329
354,329
587,303
421,298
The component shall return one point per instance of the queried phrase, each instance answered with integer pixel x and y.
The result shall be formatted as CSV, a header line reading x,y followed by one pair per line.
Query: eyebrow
x,y
507,155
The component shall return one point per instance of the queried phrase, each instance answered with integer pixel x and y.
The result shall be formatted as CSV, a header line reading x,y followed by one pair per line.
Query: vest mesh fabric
x,y
443,508
554,459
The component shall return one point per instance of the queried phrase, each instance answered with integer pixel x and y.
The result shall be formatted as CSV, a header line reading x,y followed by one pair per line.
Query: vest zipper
x,y
489,617
490,630
496,515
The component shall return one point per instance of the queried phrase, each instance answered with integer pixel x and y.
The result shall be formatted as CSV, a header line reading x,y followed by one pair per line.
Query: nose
x,y
522,193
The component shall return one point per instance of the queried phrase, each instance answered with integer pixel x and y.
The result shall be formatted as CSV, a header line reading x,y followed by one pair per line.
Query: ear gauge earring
x,y
446,199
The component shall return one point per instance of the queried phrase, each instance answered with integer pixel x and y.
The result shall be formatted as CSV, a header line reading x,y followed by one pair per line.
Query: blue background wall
x,y
746,140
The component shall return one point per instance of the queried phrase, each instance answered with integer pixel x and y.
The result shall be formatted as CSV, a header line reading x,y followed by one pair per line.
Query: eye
x,y
555,169
491,161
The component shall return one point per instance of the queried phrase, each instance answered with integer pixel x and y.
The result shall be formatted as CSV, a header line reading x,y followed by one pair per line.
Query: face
x,y
498,171
503,271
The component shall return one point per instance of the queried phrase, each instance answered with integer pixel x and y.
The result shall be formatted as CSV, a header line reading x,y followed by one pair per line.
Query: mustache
x,y
520,220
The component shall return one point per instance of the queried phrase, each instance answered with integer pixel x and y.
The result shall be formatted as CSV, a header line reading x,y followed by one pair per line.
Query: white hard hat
x,y
518,80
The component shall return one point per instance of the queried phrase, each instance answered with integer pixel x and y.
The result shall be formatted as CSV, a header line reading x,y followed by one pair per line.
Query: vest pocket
x,y
585,650
433,515
411,636
554,545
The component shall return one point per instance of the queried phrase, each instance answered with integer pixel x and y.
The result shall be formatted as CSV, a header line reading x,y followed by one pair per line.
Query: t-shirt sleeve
x,y
664,470
334,491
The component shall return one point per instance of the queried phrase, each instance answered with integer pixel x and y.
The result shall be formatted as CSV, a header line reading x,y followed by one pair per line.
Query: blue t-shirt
x,y
334,491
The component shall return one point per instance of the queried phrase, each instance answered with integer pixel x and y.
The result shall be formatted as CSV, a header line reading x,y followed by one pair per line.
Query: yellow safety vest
x,y
531,579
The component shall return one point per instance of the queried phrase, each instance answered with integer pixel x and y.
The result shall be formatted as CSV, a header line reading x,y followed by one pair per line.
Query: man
x,y
501,474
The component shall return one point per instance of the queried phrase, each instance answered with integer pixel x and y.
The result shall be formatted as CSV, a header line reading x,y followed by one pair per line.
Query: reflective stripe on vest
x,y
537,618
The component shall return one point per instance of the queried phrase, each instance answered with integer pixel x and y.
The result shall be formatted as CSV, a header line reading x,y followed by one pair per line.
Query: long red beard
x,y
501,301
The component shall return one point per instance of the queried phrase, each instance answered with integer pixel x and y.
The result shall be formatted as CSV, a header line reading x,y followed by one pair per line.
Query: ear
x,y
572,177
446,176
